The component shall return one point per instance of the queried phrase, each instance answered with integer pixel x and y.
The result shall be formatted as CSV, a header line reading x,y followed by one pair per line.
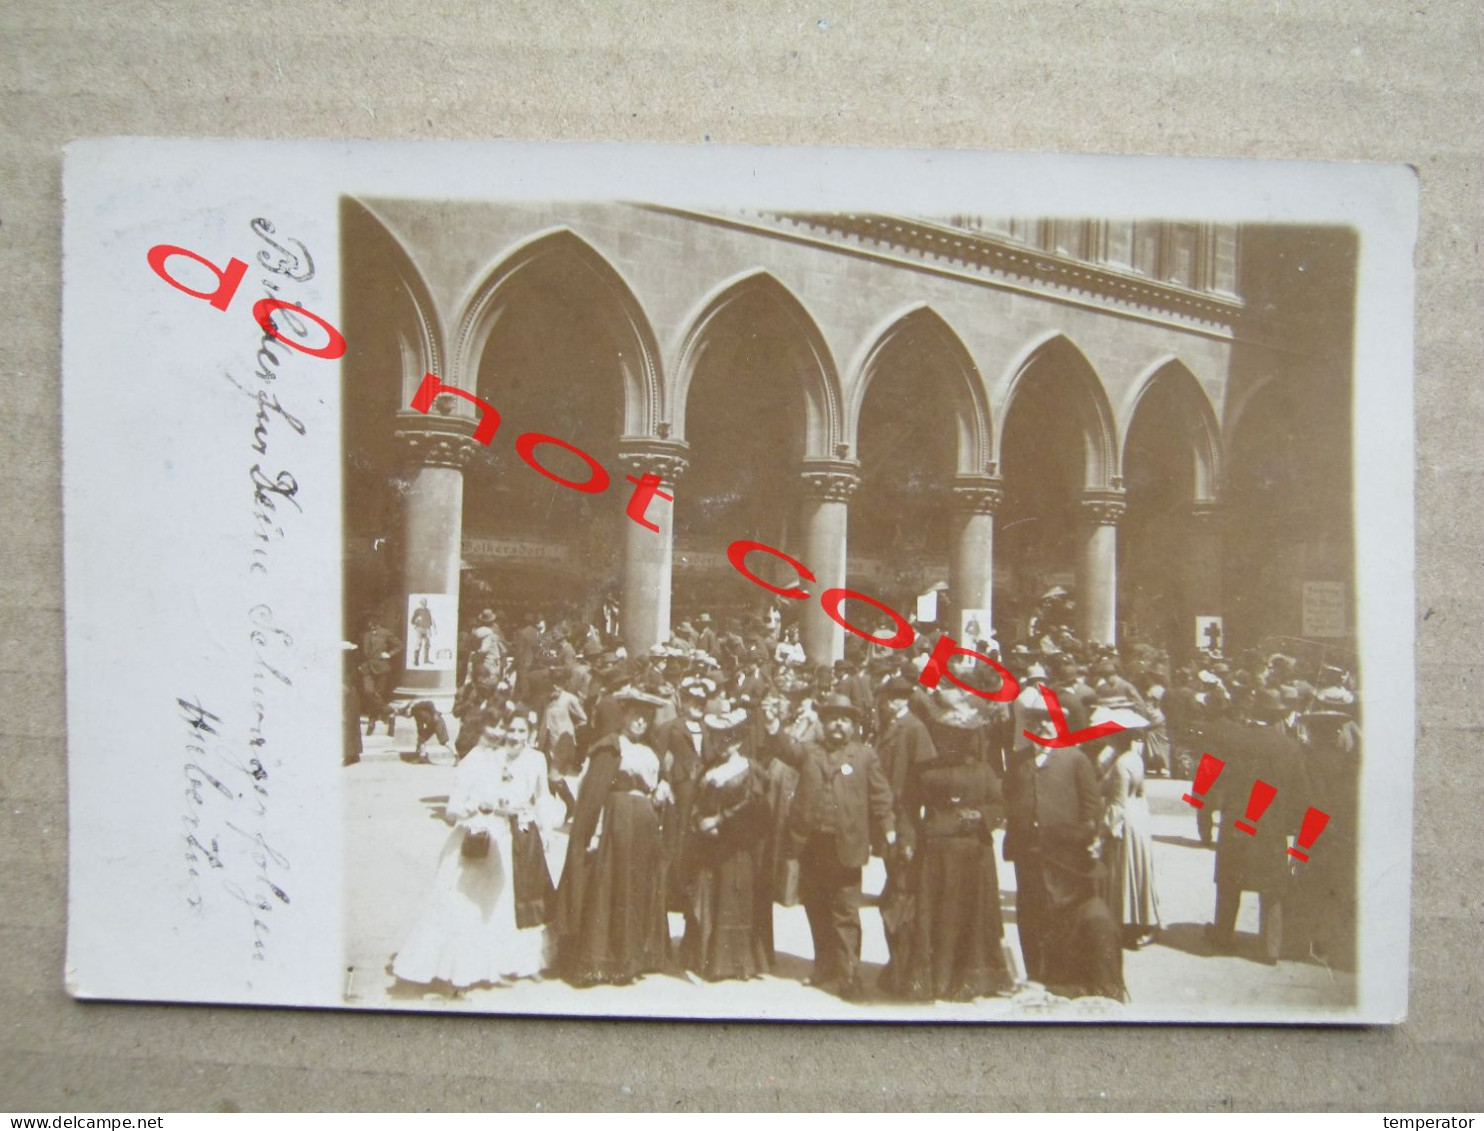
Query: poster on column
x,y
973,626
432,632
409,361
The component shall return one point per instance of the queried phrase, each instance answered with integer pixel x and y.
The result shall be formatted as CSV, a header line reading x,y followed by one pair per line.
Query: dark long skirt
x,y
953,948
729,915
1085,957
622,931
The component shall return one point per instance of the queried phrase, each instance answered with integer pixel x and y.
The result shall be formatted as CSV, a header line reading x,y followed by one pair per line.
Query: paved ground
x,y
394,831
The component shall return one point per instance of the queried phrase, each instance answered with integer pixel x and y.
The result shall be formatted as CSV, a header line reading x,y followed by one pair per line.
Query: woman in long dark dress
x,y
729,910
954,943
1084,957
611,918
781,782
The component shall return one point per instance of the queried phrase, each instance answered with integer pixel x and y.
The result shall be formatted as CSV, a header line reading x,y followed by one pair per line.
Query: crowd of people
x,y
720,775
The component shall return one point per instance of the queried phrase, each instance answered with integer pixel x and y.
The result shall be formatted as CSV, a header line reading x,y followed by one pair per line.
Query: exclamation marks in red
x,y
1314,822
1257,804
1205,777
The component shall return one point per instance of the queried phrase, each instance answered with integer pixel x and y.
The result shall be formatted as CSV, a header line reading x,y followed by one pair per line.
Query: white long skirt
x,y
467,933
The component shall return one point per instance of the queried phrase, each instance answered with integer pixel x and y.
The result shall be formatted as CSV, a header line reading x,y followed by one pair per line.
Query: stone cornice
x,y
1003,258
1074,282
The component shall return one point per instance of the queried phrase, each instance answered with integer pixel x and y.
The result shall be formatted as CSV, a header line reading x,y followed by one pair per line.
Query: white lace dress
x,y
467,933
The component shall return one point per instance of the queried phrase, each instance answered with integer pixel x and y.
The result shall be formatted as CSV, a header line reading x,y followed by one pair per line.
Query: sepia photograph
x,y
792,541
740,584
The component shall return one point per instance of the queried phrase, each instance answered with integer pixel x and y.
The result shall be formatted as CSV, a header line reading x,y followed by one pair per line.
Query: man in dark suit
x,y
905,747
1256,750
843,797
678,743
1053,813
379,646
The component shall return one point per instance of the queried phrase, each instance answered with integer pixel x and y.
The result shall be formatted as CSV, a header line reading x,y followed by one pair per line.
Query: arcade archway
x,y
921,430
757,396
1056,527
554,339
1168,549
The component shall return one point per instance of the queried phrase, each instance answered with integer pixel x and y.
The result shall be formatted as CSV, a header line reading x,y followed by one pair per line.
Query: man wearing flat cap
x,y
843,797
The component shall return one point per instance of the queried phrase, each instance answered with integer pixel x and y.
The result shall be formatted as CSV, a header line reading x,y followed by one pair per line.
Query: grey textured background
x,y
1389,81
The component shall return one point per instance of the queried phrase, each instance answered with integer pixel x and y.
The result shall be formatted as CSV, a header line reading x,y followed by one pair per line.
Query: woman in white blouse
x,y
468,933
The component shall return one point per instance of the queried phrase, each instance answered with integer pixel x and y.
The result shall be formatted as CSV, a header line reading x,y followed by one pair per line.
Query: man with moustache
x,y
843,797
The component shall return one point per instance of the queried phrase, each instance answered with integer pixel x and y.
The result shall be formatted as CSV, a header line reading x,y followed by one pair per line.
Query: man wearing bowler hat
x,y
843,797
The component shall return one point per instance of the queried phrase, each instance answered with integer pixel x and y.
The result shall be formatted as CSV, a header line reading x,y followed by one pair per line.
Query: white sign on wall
x,y
1324,608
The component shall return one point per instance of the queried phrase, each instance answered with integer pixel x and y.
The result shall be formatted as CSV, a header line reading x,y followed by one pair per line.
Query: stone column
x,y
828,485
1202,566
649,555
1097,570
432,547
971,577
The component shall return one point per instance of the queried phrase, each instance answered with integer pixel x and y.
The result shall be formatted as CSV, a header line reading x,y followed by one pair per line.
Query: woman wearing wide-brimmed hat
x,y
729,904
611,917
950,944
1131,893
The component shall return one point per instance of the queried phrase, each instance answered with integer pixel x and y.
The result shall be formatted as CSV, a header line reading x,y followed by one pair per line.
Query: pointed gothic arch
x,y
1055,358
920,327
773,304
1170,384
615,310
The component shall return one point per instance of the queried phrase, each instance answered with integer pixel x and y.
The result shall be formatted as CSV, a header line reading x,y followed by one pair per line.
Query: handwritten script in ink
x,y
227,858
231,761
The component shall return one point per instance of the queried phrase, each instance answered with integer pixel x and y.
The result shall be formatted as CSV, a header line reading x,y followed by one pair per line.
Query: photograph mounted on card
x,y
773,584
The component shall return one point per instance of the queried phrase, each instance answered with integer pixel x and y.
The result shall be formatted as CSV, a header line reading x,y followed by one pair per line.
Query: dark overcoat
x,y
1252,753
863,801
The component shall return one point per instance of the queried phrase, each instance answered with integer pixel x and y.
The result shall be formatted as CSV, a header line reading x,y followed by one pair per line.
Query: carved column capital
x,y
1104,508
1206,514
831,480
981,495
436,446
665,458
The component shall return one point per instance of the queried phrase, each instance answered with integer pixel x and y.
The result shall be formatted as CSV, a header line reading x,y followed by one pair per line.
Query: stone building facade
x,y
1153,415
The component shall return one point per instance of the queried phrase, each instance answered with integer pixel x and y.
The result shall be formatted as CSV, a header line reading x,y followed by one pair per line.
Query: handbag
x,y
476,845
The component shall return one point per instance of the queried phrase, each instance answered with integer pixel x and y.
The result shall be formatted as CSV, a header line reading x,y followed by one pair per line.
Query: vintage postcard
x,y
727,583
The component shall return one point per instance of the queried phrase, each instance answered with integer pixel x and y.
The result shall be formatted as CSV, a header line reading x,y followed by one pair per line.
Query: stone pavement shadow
x,y
401,990
1180,841
1189,938
437,806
